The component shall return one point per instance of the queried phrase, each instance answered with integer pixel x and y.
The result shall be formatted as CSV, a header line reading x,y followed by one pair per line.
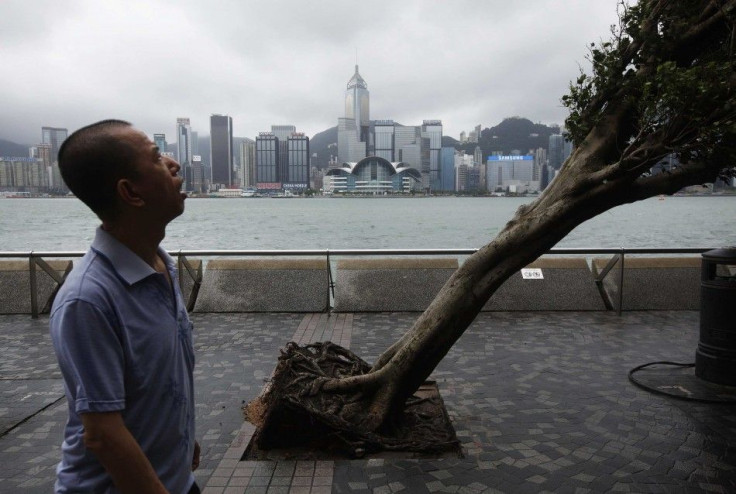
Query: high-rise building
x,y
357,104
221,151
282,159
42,152
282,133
21,174
184,152
384,139
353,130
506,171
558,150
447,167
54,137
358,137
431,145
200,184
267,161
160,141
297,162
247,170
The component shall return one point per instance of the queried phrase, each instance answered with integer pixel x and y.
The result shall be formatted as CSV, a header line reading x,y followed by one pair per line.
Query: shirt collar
x,y
128,265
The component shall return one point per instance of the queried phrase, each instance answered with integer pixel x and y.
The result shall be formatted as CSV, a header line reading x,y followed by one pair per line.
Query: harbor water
x,y
372,223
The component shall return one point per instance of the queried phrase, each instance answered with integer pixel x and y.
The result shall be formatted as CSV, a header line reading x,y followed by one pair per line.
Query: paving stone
x,y
541,398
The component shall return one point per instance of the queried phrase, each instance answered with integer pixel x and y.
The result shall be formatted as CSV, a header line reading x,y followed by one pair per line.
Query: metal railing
x,y
36,259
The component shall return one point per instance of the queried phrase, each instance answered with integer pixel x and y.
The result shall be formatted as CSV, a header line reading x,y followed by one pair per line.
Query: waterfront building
x,y
384,139
511,172
358,137
22,174
431,144
221,151
184,151
43,152
282,133
461,176
472,181
247,159
373,175
267,162
54,137
297,163
200,182
160,141
282,160
316,178
480,164
447,169
463,137
558,150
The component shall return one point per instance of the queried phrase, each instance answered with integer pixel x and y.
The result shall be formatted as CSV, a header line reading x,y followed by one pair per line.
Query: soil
x,y
301,437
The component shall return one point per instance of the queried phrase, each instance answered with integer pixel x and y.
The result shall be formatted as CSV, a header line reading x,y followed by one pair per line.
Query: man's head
x,y
110,165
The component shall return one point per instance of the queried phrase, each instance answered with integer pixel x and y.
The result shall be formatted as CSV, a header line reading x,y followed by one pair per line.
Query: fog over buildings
x,y
70,63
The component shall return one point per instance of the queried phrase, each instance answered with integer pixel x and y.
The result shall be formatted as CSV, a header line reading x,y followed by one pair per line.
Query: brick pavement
x,y
540,402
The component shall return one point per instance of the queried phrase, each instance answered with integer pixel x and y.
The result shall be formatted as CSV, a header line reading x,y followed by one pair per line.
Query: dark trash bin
x,y
715,358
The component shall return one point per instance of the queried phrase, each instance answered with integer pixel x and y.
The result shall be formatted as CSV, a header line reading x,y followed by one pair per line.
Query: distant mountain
x,y
8,148
515,134
324,145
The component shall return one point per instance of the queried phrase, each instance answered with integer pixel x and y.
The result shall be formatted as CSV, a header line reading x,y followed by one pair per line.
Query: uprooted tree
x,y
662,85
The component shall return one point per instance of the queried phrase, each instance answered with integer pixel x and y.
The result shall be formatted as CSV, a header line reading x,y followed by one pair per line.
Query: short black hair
x,y
92,160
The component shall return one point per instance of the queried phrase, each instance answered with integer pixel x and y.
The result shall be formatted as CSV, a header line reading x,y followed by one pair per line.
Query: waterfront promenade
x,y
540,402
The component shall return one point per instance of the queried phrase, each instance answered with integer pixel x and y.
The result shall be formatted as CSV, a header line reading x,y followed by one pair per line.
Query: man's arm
x,y
106,435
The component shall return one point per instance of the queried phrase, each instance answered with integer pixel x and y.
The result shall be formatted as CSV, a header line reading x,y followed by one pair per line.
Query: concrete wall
x,y
390,285
264,285
567,284
15,286
661,283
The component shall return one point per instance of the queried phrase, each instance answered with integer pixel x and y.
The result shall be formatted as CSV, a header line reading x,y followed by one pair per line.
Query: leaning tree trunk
x,y
659,91
364,401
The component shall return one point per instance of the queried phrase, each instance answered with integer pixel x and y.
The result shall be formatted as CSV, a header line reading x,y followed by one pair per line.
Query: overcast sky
x,y
67,63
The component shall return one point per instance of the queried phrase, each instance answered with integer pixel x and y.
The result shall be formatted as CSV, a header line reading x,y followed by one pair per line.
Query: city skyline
x,y
150,62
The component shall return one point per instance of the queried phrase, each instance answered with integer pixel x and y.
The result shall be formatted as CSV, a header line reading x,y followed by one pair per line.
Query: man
x,y
119,326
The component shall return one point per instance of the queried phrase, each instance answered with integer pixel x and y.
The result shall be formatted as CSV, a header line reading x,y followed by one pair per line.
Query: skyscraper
x,y
54,137
221,151
297,177
431,146
160,141
354,129
358,137
282,159
184,151
247,152
267,161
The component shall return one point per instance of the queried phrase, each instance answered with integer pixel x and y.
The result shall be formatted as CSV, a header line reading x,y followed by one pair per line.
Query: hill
x,y
8,148
323,145
512,135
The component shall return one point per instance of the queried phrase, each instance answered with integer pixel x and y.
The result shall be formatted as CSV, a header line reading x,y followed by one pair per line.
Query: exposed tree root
x,y
303,406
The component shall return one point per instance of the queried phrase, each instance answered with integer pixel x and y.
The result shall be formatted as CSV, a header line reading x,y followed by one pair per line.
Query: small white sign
x,y
532,274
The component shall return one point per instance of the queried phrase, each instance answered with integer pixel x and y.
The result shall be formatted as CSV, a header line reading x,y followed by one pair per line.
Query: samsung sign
x,y
526,157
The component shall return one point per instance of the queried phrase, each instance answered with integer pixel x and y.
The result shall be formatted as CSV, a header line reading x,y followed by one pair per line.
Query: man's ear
x,y
128,193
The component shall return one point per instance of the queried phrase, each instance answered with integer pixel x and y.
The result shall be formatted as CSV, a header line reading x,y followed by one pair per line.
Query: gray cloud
x,y
468,62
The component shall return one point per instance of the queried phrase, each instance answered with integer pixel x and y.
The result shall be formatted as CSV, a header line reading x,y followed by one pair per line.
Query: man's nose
x,y
173,166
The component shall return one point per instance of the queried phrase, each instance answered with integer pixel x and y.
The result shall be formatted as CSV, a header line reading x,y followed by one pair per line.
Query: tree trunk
x,y
658,88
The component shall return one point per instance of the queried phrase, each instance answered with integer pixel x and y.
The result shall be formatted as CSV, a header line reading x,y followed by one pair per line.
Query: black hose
x,y
679,397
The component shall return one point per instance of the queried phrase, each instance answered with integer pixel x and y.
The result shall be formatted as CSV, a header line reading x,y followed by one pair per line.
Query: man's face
x,y
157,183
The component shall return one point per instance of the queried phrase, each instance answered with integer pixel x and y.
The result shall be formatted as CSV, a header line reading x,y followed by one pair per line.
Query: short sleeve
x,y
90,356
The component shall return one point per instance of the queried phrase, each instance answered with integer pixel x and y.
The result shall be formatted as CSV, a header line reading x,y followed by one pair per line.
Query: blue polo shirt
x,y
123,340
